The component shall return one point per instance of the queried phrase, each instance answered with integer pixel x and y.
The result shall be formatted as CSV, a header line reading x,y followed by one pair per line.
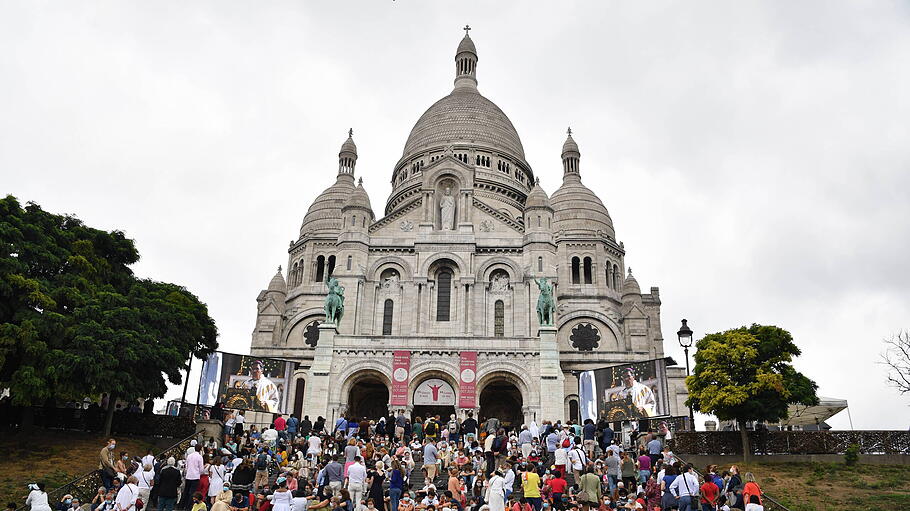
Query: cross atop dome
x,y
351,132
569,131
467,28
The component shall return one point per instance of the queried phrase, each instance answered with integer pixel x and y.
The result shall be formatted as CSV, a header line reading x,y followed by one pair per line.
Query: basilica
x,y
441,289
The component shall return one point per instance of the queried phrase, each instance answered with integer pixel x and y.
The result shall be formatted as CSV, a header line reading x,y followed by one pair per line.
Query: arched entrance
x,y
501,398
368,397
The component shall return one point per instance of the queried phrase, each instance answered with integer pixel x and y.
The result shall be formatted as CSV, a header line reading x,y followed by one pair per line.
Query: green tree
x,y
746,375
75,321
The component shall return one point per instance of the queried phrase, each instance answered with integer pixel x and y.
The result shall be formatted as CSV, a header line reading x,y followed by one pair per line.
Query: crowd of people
x,y
395,464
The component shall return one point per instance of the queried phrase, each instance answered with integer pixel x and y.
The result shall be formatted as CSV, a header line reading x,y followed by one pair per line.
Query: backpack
x,y
453,427
565,443
262,462
431,428
497,444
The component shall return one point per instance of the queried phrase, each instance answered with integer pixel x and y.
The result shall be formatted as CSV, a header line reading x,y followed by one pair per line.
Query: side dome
x,y
324,214
464,117
278,284
358,199
630,285
577,210
537,198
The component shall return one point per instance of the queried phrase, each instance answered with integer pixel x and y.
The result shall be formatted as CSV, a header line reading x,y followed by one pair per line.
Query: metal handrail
x,y
56,494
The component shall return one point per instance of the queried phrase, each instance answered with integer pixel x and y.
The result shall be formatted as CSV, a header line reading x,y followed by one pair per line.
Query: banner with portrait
x,y
246,382
634,390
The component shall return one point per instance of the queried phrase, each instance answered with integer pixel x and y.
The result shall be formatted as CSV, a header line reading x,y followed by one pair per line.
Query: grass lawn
x,y
54,457
823,486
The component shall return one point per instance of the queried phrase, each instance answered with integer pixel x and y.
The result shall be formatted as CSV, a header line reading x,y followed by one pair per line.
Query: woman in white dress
x,y
282,499
37,498
217,473
495,492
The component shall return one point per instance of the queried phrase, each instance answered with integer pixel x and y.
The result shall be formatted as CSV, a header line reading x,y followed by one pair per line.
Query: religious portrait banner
x,y
467,380
401,374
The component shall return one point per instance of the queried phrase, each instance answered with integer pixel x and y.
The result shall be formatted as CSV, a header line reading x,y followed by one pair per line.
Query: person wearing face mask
x,y
223,498
122,465
65,503
108,473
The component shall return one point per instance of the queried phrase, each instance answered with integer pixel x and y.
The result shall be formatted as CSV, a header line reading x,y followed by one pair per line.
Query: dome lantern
x,y
570,156
347,157
466,62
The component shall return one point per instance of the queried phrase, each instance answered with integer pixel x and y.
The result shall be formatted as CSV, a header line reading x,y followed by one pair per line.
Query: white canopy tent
x,y
827,407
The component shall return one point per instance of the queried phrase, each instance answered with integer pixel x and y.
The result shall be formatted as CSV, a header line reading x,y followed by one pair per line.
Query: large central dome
x,y
464,117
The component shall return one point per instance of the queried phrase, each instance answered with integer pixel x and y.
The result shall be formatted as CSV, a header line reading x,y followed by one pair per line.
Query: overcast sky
x,y
754,156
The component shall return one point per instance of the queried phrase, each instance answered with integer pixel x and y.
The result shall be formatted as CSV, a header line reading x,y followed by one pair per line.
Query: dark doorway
x,y
369,398
502,400
298,398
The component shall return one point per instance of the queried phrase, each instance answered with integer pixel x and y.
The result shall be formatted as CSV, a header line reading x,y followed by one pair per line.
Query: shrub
x,y
851,455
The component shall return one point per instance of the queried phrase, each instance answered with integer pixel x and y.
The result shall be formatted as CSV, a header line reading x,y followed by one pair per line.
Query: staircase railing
x,y
766,499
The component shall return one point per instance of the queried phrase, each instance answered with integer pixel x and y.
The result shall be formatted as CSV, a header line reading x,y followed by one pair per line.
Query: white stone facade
x,y
467,225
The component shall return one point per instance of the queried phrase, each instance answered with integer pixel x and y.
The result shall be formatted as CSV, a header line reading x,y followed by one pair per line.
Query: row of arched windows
x,y
582,272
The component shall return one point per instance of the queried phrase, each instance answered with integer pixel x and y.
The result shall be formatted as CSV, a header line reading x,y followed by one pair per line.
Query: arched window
x,y
540,264
443,294
293,278
616,276
575,272
320,269
350,262
387,312
353,220
331,266
538,221
608,274
573,410
363,222
587,270
499,319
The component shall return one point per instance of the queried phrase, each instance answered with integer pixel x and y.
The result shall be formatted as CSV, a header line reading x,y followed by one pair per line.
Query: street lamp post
x,y
685,340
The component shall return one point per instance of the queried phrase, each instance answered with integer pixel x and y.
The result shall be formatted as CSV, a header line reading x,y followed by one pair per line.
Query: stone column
x,y
316,395
552,391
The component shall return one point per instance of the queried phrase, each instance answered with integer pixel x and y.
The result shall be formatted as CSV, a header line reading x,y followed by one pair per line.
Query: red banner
x,y
467,380
401,369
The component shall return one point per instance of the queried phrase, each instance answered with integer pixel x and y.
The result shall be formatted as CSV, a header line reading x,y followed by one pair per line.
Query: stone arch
x,y
403,267
602,318
513,378
304,316
433,176
365,376
510,371
356,371
461,267
515,272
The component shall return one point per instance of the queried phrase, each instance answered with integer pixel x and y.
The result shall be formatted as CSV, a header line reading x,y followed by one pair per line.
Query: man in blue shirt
x,y
291,427
341,424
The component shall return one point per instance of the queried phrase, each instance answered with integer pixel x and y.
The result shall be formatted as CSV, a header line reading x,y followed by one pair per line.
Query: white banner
x,y
434,392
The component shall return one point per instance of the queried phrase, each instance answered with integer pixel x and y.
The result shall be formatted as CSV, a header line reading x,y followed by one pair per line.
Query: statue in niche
x,y
499,284
447,210
390,284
